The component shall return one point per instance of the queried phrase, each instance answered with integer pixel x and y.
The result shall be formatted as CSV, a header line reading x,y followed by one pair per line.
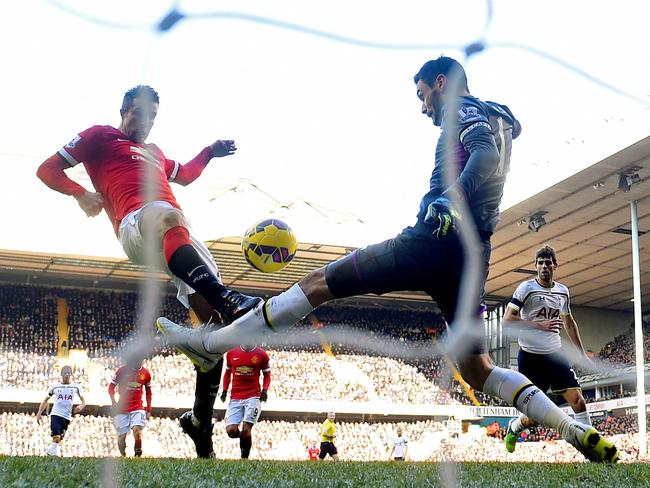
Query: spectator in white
x,y
400,447
61,415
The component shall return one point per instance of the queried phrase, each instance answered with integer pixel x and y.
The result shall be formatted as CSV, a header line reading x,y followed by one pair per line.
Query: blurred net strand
x,y
174,16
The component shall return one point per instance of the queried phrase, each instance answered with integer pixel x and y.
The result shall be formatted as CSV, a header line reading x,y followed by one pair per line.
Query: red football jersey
x,y
245,368
313,453
129,385
116,166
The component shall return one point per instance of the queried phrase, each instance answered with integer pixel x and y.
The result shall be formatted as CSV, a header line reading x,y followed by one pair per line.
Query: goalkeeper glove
x,y
223,396
264,396
443,217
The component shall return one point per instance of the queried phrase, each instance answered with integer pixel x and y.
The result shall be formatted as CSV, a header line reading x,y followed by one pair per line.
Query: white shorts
x,y
248,410
133,244
126,421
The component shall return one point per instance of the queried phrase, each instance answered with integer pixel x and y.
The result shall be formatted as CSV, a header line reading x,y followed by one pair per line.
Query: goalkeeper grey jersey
x,y
535,302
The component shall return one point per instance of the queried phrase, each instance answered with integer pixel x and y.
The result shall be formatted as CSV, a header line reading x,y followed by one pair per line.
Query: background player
x,y
313,451
541,307
328,434
118,162
130,414
243,365
400,447
429,256
63,394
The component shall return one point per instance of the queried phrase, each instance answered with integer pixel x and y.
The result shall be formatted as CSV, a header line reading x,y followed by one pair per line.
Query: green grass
x,y
70,472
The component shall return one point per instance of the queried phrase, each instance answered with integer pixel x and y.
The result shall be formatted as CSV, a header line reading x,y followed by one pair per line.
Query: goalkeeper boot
x,y
511,438
201,435
592,445
236,304
189,342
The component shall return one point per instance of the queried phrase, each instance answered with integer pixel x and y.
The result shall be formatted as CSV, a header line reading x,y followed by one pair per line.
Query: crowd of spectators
x,y
28,318
363,340
93,436
298,376
620,350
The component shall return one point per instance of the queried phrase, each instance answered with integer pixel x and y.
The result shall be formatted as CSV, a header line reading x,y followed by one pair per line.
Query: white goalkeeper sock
x,y
583,417
276,314
517,390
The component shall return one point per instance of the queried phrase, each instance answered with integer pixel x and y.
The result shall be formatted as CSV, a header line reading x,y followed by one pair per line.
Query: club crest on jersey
x,y
255,359
73,142
467,113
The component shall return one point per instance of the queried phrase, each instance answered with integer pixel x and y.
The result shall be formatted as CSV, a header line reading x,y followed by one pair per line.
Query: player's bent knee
x,y
315,288
475,369
171,218
232,431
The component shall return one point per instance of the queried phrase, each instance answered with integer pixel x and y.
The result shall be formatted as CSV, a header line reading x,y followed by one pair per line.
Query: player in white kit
x,y
400,447
61,414
541,307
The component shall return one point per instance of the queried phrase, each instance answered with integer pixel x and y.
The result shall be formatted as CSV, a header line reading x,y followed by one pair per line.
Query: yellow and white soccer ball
x,y
269,245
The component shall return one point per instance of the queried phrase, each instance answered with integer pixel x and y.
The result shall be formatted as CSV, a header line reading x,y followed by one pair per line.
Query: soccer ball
x,y
269,245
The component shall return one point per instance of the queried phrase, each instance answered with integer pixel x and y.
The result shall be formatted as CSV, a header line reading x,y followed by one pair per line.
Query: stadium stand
x,y
100,322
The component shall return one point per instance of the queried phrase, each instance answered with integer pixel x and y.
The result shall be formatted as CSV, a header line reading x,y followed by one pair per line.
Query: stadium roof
x,y
587,221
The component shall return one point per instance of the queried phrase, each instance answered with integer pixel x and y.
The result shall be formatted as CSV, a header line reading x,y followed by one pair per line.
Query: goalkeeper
x,y
475,143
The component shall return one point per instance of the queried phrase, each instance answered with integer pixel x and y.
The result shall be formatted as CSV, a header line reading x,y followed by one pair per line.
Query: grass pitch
x,y
77,472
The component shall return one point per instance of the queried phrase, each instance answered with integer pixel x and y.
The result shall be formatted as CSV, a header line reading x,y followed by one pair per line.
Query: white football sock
x,y
517,390
276,314
583,417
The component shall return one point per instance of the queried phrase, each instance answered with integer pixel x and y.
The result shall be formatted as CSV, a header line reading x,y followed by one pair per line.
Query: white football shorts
x,y
134,246
248,410
126,421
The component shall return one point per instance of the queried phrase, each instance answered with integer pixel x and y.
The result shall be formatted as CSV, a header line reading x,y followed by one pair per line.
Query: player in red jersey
x,y
130,414
313,452
244,364
119,164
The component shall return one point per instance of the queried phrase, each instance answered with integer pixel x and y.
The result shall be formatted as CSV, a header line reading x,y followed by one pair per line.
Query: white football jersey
x,y
400,444
63,396
536,303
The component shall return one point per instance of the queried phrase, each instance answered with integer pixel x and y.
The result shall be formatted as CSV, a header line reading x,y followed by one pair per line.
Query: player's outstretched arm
x,y
223,148
52,173
574,334
82,405
148,394
111,393
191,170
41,408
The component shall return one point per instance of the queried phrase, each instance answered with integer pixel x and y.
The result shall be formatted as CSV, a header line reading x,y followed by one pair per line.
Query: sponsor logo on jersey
x,y
143,154
64,397
244,370
547,313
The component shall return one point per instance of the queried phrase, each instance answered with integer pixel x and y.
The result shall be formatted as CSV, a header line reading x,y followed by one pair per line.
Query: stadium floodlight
x,y
628,178
536,221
